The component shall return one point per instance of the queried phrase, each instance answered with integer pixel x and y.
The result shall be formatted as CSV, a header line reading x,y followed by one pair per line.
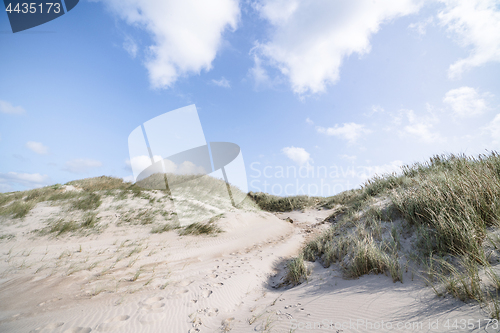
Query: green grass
x,y
296,271
90,221
451,206
272,203
17,209
62,226
455,198
102,183
90,201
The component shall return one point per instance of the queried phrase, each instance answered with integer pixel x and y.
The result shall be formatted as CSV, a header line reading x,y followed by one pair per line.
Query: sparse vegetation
x,y
90,201
208,228
162,228
272,203
89,222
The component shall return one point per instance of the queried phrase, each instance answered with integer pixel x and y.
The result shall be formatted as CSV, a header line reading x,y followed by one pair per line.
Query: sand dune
x,y
126,279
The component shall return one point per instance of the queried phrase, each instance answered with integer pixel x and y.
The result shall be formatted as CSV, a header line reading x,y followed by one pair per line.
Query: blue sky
x,y
330,91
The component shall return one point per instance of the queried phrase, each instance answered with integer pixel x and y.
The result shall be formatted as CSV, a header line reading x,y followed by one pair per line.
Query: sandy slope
x,y
126,279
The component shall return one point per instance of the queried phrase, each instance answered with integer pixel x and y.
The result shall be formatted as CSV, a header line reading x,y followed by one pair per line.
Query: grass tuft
x,y
296,271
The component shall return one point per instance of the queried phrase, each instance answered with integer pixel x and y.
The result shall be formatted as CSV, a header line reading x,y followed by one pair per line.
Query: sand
x,y
126,279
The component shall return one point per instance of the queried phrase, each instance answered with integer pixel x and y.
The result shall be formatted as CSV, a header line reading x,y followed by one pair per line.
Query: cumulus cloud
x,y
37,147
6,107
465,102
81,165
298,155
348,131
421,127
476,25
310,39
309,121
30,180
186,34
223,82
142,162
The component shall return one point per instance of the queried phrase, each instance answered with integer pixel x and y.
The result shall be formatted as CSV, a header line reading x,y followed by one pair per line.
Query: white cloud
x,y
81,165
368,172
259,74
310,39
185,168
6,107
37,147
494,129
29,180
420,127
420,26
142,162
348,131
309,121
298,155
130,46
186,34
223,82
476,24
465,102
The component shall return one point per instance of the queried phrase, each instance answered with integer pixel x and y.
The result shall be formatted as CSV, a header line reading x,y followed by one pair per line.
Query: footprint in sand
x,y
78,330
176,294
113,323
185,283
180,292
206,293
47,328
153,304
209,312
152,300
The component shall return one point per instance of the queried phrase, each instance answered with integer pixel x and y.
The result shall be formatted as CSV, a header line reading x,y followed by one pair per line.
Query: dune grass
x,y
208,228
296,271
19,204
89,222
272,203
451,206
